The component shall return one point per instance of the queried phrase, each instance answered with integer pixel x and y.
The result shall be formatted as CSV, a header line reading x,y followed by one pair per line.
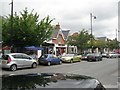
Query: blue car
x,y
49,59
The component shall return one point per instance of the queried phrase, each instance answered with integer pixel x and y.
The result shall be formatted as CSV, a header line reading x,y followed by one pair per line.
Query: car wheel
x,y
97,59
89,60
34,65
49,63
71,61
13,67
60,62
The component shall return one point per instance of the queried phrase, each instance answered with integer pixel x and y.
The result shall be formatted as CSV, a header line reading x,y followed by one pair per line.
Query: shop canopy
x,y
6,48
33,48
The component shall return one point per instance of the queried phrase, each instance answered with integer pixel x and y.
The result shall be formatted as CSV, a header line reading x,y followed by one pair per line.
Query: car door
x,y
27,60
51,58
56,59
18,60
75,58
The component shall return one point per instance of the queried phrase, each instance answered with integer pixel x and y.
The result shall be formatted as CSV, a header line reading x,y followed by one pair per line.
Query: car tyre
x,y
49,63
89,60
71,61
60,62
13,67
34,65
97,59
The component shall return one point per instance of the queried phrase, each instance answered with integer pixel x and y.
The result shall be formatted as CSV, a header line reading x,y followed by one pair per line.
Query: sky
x,y
73,14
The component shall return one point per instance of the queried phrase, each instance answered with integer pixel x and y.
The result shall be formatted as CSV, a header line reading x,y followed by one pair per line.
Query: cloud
x,y
73,14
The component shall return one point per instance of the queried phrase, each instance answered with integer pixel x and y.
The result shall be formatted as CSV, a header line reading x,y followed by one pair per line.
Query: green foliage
x,y
83,41
100,44
112,44
26,29
0,28
80,40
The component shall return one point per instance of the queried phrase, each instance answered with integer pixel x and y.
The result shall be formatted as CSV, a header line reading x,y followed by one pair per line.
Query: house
x,y
57,45
102,38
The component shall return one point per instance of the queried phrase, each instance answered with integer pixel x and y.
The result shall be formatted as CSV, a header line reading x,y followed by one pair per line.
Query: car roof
x,y
16,54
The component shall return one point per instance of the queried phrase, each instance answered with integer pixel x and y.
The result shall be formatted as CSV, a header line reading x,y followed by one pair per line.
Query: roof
x,y
58,30
65,33
101,38
55,33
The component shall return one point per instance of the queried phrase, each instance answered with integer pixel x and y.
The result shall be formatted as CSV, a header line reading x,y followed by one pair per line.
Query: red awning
x,y
6,48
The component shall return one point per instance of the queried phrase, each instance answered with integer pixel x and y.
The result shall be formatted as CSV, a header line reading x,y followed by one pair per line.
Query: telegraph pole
x,y
94,17
116,34
11,15
11,29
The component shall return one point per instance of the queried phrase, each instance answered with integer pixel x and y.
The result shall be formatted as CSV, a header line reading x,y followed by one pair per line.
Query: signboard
x,y
39,53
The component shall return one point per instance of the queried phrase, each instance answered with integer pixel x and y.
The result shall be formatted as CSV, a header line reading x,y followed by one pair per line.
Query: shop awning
x,y
33,48
6,48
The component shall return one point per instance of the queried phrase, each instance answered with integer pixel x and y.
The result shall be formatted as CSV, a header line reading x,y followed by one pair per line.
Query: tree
x,y
0,28
26,29
112,44
80,40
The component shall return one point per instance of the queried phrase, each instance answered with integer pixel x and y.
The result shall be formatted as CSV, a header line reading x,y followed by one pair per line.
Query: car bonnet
x,y
48,80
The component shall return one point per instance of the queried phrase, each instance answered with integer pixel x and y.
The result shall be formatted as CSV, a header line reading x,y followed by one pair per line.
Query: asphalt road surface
x,y
106,71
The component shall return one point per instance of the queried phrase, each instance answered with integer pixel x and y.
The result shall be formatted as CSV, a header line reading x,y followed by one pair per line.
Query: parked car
x,y
49,59
113,55
84,57
104,55
46,81
18,60
94,57
71,58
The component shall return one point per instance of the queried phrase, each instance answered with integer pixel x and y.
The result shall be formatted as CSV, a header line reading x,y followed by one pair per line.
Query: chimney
x,y
57,26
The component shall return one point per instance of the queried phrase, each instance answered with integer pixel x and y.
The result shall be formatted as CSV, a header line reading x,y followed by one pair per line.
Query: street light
x,y
94,17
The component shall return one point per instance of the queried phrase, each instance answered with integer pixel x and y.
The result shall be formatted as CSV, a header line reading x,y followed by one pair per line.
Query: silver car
x,y
113,55
18,60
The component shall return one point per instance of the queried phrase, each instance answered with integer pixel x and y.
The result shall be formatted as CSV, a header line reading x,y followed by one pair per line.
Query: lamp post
x,y
11,14
92,17
11,31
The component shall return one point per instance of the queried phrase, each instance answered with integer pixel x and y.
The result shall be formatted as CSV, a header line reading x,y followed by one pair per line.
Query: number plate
x,y
4,62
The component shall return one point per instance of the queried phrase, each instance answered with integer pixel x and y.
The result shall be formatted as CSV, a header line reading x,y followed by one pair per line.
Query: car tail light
x,y
9,60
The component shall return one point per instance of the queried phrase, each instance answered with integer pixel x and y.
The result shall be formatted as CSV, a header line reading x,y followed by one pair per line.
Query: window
x,y
25,57
17,56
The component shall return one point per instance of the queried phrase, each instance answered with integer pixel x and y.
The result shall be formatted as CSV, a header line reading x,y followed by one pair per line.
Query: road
x,y
105,71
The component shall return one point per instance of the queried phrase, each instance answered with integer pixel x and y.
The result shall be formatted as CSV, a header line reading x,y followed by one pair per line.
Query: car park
x,y
71,58
49,59
46,81
94,57
13,61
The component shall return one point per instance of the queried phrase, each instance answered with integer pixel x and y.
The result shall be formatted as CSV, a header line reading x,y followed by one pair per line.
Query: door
x,y
18,60
56,60
27,60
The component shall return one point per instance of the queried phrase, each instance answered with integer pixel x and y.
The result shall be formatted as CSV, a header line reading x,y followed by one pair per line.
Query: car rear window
x,y
5,57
